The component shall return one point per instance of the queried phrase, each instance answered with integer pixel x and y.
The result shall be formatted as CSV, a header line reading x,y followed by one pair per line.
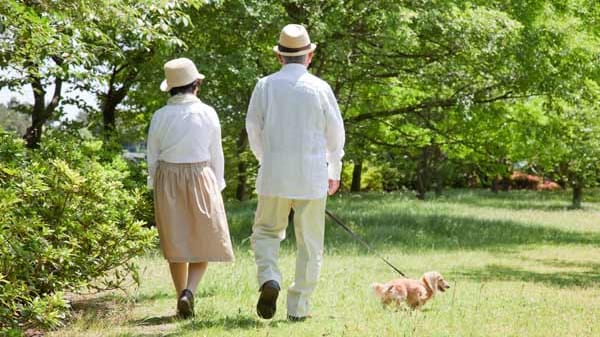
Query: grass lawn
x,y
519,264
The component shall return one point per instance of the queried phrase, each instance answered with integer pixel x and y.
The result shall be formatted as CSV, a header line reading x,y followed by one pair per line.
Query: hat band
x,y
292,50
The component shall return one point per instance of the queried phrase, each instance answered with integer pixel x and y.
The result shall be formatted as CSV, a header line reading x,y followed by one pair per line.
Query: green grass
x,y
519,263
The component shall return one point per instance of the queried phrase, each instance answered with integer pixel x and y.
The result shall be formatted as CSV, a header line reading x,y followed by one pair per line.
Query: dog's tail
x,y
379,289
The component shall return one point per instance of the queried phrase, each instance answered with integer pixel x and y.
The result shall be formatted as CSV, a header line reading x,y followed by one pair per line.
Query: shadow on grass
x,y
92,309
197,324
496,272
147,334
201,321
565,264
156,320
153,297
228,323
165,295
512,200
434,231
394,221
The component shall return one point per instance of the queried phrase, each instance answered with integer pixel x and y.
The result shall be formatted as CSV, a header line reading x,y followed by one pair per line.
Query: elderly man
x,y
296,132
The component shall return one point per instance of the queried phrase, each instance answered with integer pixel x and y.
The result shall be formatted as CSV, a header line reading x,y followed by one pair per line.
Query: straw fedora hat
x,y
179,72
294,41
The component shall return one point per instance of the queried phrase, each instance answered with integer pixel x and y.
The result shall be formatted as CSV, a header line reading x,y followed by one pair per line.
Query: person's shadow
x,y
157,320
239,321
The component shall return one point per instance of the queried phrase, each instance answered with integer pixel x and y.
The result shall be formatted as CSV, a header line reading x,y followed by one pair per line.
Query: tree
x,y
99,47
564,68
125,54
42,42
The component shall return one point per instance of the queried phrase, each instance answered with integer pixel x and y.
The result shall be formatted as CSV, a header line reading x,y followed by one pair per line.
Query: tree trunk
x,y
423,173
577,196
41,112
241,192
34,131
108,112
495,185
439,184
421,189
115,95
505,183
356,176
439,175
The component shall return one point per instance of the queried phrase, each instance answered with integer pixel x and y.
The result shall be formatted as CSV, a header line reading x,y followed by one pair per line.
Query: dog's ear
x,y
391,290
425,281
430,280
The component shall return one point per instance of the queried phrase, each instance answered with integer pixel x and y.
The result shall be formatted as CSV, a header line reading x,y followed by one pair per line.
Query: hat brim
x,y
164,86
298,53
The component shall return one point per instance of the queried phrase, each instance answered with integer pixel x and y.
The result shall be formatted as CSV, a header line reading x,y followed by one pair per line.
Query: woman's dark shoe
x,y
185,304
267,302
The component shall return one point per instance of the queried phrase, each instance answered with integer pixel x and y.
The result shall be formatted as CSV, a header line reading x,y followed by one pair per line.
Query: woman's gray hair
x,y
294,59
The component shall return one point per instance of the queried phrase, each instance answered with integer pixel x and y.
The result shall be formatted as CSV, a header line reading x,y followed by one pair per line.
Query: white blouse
x,y
296,132
185,131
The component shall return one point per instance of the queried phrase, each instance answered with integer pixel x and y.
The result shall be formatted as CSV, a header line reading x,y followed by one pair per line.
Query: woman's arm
x,y
217,159
153,150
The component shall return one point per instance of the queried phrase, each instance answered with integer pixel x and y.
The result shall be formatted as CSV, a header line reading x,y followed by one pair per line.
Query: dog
x,y
415,293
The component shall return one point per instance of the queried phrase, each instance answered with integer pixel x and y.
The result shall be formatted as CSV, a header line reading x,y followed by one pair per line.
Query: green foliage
x,y
406,73
461,87
12,120
67,223
432,92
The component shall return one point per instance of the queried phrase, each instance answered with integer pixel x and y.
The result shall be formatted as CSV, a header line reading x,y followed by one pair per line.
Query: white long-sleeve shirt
x,y
185,131
296,132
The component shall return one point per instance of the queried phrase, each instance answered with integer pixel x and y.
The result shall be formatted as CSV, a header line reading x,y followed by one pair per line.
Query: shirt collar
x,y
293,67
183,99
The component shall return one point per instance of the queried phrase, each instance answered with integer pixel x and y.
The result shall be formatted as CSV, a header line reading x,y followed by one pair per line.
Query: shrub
x,y
525,181
67,222
548,186
520,180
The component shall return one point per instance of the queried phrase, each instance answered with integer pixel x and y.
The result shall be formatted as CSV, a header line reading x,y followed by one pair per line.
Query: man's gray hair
x,y
294,59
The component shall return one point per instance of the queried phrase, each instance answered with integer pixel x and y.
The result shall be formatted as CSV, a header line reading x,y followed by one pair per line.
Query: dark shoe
x,y
297,319
267,302
185,304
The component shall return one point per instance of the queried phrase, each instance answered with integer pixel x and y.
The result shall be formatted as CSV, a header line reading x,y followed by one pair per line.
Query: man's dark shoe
x,y
267,302
185,304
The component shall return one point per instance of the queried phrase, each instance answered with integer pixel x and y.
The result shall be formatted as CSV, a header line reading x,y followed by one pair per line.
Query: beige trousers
x,y
270,222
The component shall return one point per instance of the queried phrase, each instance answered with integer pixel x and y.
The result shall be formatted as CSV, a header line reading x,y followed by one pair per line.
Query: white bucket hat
x,y
179,72
294,41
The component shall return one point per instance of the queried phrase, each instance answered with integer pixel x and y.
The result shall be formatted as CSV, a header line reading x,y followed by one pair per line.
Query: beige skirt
x,y
190,215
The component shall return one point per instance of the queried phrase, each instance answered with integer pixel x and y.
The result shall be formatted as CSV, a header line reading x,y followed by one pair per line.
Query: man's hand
x,y
333,186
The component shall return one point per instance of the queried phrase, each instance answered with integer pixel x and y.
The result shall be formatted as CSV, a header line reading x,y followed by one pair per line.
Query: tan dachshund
x,y
415,293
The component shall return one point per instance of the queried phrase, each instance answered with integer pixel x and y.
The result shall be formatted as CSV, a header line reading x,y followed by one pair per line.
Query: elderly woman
x,y
185,164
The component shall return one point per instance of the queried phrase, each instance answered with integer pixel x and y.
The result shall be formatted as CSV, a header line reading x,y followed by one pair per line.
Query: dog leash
x,y
356,237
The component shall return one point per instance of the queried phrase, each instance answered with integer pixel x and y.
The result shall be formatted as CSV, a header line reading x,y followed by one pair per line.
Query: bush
x,y
525,181
67,222
520,180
